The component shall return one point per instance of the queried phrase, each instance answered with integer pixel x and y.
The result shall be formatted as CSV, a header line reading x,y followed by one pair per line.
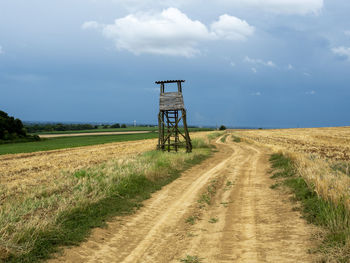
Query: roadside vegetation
x,y
331,215
236,138
36,224
214,135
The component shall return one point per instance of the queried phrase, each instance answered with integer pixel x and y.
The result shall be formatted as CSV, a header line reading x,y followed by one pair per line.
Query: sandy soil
x,y
88,134
254,222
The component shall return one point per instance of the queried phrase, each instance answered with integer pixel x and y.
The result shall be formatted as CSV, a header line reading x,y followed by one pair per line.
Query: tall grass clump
x,y
214,135
333,216
34,225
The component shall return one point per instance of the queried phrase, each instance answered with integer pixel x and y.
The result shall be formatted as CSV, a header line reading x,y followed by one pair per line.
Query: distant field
x,y
71,142
101,130
116,130
47,144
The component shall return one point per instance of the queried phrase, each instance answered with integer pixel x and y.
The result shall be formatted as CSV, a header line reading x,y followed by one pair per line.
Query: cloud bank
x,y
169,32
259,62
342,52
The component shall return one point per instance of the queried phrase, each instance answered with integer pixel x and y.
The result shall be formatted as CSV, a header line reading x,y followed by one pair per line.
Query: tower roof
x,y
169,81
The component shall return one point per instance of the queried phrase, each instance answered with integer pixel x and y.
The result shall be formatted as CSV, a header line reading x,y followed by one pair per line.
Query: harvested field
x,y
326,143
322,155
20,172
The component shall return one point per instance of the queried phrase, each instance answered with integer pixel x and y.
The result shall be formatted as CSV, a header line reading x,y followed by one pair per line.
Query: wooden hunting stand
x,y
170,103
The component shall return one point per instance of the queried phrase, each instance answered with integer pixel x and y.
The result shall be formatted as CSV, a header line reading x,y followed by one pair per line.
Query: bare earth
x,y
89,134
254,222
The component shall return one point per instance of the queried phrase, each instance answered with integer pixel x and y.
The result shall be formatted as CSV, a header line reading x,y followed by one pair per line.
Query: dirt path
x,y
89,134
245,222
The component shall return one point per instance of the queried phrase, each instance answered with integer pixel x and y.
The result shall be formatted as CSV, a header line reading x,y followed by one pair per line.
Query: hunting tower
x,y
170,103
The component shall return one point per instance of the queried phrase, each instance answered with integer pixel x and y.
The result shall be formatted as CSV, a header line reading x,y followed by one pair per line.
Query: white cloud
x,y
311,92
169,32
90,24
1,50
290,67
259,62
347,33
307,74
298,7
254,70
256,94
232,28
343,52
233,64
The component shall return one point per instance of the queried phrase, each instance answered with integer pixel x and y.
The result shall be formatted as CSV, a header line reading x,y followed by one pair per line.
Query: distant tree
x,y
123,126
12,129
105,126
116,125
222,128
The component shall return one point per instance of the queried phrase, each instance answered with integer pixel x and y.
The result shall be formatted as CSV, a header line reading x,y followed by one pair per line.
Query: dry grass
x,y
19,173
37,188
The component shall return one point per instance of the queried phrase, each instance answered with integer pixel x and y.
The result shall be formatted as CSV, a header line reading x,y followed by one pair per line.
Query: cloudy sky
x,y
251,63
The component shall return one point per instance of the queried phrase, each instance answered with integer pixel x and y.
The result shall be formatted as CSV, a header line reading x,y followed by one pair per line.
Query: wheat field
x,y
322,156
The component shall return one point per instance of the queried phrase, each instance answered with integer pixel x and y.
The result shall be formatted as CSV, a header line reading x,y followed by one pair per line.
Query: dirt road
x,y
246,221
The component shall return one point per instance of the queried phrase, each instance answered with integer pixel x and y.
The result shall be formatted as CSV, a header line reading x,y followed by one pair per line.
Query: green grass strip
x,y
335,218
71,142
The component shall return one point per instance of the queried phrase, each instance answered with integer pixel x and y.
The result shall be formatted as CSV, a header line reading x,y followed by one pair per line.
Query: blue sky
x,y
256,63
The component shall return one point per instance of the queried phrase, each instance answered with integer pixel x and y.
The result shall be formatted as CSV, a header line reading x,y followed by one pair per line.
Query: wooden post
x,y
188,140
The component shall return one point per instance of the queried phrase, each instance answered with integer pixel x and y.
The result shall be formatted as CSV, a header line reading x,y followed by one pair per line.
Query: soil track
x,y
245,222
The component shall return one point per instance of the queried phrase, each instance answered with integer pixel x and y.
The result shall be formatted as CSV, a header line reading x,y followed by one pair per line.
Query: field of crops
x,y
322,156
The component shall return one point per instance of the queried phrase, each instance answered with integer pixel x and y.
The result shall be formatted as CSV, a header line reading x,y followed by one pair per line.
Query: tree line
x,y
12,129
47,127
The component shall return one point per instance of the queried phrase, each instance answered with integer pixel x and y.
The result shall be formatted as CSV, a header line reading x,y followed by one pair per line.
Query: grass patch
x,y
191,259
213,220
236,138
205,198
335,218
199,143
274,186
214,135
34,226
71,142
192,219
229,183
223,139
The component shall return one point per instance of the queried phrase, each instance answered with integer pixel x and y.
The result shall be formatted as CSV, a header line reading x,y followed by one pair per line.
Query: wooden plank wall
x,y
171,101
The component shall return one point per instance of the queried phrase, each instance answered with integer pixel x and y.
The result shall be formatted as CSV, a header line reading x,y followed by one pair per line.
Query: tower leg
x,y
187,135
159,131
176,114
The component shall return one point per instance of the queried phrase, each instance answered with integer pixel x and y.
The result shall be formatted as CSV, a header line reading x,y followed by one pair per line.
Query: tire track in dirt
x,y
254,223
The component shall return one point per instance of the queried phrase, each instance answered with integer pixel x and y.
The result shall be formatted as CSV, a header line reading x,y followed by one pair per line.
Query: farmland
x,y
51,199
48,144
